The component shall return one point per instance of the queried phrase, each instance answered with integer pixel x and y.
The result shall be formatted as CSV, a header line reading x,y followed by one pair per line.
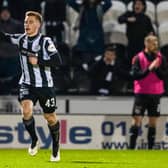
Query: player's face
x,y
152,44
31,25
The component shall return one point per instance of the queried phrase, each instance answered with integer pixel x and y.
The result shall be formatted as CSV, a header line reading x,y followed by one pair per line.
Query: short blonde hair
x,y
150,37
35,14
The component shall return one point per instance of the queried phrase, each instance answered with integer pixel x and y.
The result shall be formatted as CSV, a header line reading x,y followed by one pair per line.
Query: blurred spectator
x,y
138,27
106,74
54,16
89,23
18,8
9,60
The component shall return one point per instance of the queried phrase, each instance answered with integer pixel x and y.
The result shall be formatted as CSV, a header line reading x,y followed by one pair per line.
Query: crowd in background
x,y
91,63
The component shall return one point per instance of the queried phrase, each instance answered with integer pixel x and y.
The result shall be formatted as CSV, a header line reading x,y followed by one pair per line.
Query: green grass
x,y
12,158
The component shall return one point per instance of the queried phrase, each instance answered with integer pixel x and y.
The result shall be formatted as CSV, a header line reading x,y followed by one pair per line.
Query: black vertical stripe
x,y
42,68
30,66
67,106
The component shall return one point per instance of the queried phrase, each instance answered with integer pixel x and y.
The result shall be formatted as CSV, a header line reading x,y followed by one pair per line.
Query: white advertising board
x,y
10,104
81,105
81,132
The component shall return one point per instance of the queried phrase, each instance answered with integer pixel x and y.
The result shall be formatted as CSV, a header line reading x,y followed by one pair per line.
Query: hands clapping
x,y
154,65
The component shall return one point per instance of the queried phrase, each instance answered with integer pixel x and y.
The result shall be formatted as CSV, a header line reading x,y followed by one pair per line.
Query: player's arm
x,y
136,72
11,38
124,18
53,58
4,37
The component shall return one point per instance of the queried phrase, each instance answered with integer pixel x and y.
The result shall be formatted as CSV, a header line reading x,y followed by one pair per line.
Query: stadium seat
x,y
150,10
115,11
163,33
71,19
162,12
115,33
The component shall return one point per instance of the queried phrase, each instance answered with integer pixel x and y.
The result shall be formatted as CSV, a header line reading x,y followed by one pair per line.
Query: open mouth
x,y
27,29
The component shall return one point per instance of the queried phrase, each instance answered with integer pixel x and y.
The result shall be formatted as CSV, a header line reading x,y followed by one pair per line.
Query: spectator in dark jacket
x,y
91,37
138,27
106,75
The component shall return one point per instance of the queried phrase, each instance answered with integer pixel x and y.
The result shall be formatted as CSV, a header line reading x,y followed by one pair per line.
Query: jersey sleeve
x,y
136,72
11,38
14,38
50,47
51,56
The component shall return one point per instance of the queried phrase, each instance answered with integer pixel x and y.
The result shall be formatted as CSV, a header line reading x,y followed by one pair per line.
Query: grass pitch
x,y
12,158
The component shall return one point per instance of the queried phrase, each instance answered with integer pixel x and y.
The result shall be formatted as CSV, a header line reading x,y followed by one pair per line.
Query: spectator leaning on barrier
x,y
148,70
138,27
107,75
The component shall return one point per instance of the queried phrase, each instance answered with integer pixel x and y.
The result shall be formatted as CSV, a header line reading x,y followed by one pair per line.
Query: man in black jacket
x,y
138,27
106,74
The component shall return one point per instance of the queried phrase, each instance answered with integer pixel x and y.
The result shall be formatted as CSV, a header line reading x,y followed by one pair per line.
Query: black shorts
x,y
151,103
46,97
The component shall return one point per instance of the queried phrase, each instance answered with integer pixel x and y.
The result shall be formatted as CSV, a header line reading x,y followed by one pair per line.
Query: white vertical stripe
x,y
36,45
45,55
26,70
38,79
49,77
21,79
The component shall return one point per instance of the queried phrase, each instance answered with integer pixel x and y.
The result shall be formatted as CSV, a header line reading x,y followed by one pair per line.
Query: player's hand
x,y
33,60
131,19
154,65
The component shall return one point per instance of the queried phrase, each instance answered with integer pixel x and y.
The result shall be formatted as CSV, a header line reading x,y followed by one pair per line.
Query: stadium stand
x,y
67,78
163,33
116,10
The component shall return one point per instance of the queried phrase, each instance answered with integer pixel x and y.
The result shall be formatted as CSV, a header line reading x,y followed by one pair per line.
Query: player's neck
x,y
33,37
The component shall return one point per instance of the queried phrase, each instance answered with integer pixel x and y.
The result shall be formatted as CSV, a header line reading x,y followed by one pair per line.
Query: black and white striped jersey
x,y
43,47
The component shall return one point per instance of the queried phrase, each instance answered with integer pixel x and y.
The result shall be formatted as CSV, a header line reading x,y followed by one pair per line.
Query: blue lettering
x,y
45,139
80,135
107,128
122,124
21,134
5,136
